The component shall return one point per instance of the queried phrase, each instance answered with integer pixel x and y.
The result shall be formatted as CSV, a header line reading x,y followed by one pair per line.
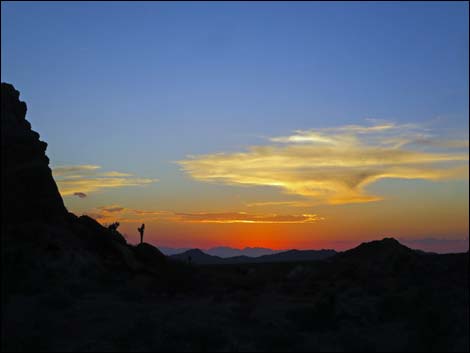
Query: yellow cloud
x,y
112,213
108,214
334,165
306,203
243,217
87,179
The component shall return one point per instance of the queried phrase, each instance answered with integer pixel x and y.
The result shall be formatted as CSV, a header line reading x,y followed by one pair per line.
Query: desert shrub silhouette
x,y
114,226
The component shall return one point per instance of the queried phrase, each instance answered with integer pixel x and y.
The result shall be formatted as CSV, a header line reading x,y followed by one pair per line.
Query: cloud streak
x,y
84,179
334,165
115,212
243,217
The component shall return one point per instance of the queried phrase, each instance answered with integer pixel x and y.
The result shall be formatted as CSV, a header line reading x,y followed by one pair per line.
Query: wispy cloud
x,y
81,195
84,179
114,212
243,217
334,165
111,213
280,203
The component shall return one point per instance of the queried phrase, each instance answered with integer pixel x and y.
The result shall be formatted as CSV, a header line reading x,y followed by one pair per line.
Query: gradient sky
x,y
283,125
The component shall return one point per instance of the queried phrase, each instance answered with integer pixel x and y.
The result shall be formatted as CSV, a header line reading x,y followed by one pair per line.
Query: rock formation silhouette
x,y
28,188
34,217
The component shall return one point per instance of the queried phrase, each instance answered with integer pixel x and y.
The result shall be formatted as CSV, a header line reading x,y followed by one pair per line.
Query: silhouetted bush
x,y
113,226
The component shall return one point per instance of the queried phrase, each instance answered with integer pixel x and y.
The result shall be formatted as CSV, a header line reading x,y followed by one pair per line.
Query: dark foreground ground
x,y
380,296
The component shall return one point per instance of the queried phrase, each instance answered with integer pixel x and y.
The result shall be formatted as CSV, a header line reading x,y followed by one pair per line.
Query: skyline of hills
x,y
422,245
224,251
381,247
199,257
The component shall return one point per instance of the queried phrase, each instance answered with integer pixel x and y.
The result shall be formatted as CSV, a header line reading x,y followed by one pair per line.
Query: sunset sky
x,y
281,125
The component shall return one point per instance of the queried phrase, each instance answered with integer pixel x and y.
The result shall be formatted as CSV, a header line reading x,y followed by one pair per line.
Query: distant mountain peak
x,y
200,257
390,241
384,243
379,250
194,252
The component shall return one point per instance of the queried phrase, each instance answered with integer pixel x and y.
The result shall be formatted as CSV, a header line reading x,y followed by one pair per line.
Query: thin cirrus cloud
x,y
243,217
334,165
81,180
106,214
111,213
279,203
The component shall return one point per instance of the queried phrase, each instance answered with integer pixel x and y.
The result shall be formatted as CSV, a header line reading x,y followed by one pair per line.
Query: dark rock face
x,y
94,229
29,191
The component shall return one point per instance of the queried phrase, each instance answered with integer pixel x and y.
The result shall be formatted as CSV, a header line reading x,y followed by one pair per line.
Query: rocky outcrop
x,y
29,191
36,226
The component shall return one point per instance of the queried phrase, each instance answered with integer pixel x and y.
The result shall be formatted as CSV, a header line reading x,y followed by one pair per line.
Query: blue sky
x,y
135,86
160,71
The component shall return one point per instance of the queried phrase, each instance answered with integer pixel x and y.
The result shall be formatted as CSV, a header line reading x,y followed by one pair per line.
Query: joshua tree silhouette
x,y
141,231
